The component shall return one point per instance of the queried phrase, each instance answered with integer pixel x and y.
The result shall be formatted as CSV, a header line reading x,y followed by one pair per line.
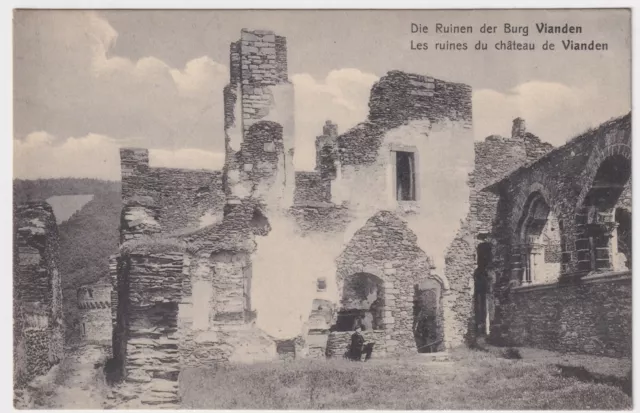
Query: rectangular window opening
x,y
321,284
405,176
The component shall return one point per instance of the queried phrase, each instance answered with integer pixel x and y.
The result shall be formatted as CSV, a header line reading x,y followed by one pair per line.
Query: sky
x,y
89,82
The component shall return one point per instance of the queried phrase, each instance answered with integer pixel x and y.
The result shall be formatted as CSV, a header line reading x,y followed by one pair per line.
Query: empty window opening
x,y
260,223
321,284
540,242
606,228
405,176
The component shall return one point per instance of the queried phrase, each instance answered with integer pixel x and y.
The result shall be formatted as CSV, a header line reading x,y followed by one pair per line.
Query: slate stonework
x,y
38,328
386,249
94,305
563,178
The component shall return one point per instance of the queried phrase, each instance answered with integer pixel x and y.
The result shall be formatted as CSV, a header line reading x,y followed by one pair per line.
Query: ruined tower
x,y
94,309
259,126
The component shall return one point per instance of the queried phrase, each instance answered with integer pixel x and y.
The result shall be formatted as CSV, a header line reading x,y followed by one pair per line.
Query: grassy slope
x,y
475,380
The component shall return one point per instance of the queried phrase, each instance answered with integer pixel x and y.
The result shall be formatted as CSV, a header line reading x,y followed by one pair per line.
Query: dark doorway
x,y
427,318
481,288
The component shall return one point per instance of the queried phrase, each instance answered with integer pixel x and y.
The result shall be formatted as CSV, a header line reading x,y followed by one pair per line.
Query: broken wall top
x,y
572,158
175,199
399,98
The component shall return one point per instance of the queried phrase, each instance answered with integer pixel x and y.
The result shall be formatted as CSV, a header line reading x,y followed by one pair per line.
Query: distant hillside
x,y
66,205
87,238
41,189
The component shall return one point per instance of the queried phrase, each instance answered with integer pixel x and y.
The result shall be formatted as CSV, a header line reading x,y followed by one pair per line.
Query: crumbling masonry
x,y
394,231
557,227
198,248
38,329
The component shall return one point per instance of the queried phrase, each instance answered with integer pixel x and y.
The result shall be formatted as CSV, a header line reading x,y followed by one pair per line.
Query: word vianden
x,y
511,45
507,28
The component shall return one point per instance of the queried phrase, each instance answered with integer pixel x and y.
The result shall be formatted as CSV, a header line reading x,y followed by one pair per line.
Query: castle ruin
x,y
407,227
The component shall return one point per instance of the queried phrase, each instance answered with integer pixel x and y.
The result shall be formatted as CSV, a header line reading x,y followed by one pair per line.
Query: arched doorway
x,y
428,324
362,303
540,242
608,226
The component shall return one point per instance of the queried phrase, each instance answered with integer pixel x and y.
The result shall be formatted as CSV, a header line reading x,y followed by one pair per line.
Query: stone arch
x,y
594,163
538,187
538,251
596,221
361,303
385,247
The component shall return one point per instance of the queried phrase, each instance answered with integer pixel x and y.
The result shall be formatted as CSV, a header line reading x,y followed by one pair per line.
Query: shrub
x,y
512,354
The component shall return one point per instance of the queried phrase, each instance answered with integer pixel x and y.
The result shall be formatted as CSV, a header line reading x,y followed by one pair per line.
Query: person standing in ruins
x,y
357,344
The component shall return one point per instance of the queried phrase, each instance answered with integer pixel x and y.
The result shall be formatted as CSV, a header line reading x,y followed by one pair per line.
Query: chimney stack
x,y
519,128
330,129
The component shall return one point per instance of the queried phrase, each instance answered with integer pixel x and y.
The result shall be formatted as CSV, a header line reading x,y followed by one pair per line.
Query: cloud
x,y
42,155
553,111
342,97
71,84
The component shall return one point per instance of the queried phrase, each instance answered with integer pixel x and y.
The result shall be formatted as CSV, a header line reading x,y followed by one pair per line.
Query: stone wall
x,y
495,158
399,98
166,199
563,177
339,341
320,319
592,317
562,180
387,249
216,319
146,344
94,304
38,329
431,119
460,264
311,188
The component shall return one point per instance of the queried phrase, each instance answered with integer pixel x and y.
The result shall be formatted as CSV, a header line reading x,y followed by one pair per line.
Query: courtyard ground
x,y
76,383
494,378
467,380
